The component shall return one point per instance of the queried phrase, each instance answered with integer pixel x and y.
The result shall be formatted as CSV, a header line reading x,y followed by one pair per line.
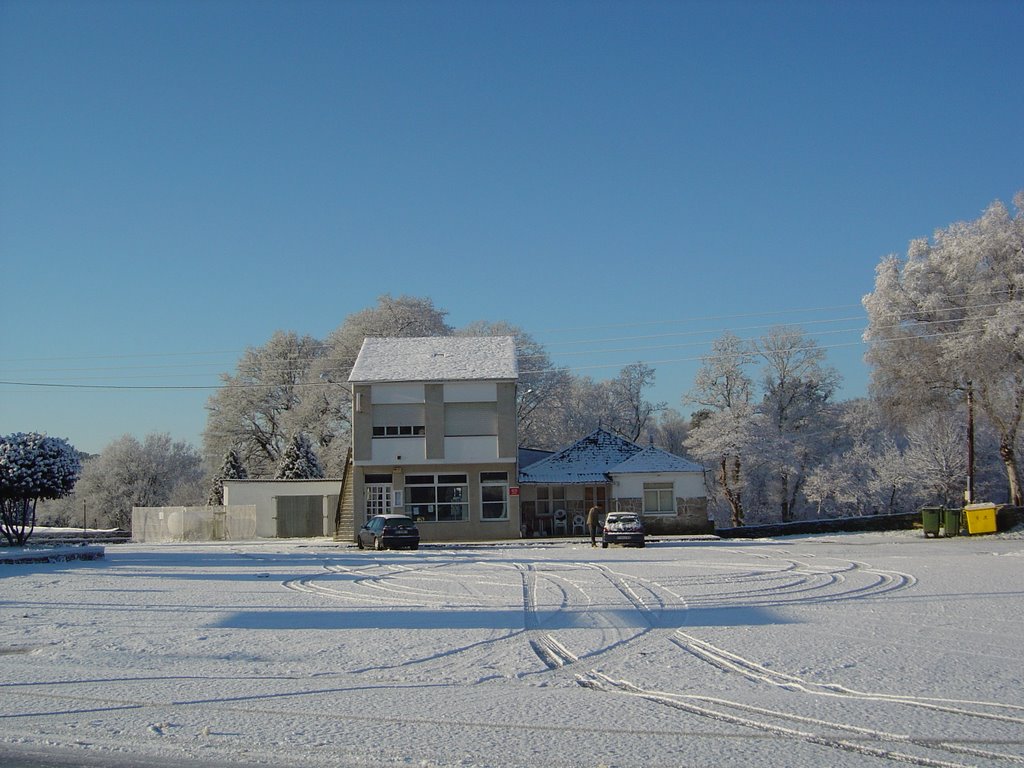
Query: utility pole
x,y
969,496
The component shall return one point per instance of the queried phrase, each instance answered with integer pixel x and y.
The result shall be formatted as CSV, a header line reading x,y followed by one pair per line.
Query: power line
x,y
709,331
570,369
298,367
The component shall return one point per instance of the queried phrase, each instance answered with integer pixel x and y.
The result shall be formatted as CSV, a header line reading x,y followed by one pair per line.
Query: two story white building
x,y
434,435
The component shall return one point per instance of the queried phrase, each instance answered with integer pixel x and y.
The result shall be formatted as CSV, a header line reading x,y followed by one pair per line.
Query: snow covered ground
x,y
838,650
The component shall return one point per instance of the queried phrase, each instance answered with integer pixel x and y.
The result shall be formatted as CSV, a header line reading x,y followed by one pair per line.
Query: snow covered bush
x,y
299,461
32,467
230,469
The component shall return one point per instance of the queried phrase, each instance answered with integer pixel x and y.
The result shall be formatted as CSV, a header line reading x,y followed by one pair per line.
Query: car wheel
x,y
414,546
604,545
359,542
642,544
378,544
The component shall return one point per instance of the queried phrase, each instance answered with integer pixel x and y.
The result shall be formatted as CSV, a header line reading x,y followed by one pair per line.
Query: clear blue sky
x,y
179,179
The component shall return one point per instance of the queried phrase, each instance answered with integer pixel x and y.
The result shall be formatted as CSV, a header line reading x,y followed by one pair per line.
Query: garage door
x,y
300,516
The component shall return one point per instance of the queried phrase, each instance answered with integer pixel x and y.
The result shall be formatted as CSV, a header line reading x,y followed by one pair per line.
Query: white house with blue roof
x,y
617,475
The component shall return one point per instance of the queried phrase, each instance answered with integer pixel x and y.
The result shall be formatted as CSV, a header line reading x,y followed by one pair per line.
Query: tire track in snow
x,y
365,585
731,662
804,583
715,709
638,593
552,653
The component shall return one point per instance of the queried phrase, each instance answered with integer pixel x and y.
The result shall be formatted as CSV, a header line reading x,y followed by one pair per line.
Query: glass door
x,y
379,499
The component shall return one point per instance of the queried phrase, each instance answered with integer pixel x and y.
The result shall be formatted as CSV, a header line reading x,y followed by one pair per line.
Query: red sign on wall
x,y
513,491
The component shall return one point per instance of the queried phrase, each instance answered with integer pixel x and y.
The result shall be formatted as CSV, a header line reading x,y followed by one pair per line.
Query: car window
x,y
400,522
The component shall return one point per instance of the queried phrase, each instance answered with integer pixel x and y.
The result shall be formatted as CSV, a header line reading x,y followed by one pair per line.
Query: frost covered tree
x,y
32,467
632,412
947,324
231,468
258,406
554,414
299,461
298,384
762,450
935,457
671,431
721,436
866,472
128,473
798,421
573,406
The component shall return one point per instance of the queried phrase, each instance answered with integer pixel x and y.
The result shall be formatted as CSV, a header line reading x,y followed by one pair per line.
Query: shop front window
x,y
437,498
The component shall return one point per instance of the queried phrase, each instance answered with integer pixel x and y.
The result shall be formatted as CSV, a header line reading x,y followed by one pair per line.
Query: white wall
x,y
261,493
687,485
398,450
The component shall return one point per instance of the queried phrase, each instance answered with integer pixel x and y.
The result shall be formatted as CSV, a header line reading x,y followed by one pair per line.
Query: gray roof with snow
x,y
594,458
653,459
436,358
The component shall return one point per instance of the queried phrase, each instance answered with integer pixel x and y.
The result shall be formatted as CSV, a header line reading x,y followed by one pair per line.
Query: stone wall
x,y
691,516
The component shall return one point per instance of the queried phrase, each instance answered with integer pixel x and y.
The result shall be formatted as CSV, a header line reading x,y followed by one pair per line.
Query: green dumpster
x,y
951,522
930,520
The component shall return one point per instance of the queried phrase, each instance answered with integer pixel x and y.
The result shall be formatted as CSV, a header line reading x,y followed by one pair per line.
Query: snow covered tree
x,y
798,422
556,412
32,467
935,458
299,461
763,451
866,472
258,407
671,431
231,468
632,412
156,472
722,435
947,323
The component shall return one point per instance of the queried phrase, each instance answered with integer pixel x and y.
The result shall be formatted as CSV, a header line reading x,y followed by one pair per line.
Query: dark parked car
x,y
623,528
389,532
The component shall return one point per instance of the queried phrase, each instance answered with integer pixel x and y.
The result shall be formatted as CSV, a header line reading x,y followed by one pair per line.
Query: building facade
x,y
612,473
434,435
287,508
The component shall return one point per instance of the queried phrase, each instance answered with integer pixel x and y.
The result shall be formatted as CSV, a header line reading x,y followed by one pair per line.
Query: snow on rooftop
x,y
436,358
653,459
586,461
592,458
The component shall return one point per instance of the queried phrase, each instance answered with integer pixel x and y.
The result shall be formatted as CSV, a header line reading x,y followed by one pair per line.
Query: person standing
x,y
593,518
